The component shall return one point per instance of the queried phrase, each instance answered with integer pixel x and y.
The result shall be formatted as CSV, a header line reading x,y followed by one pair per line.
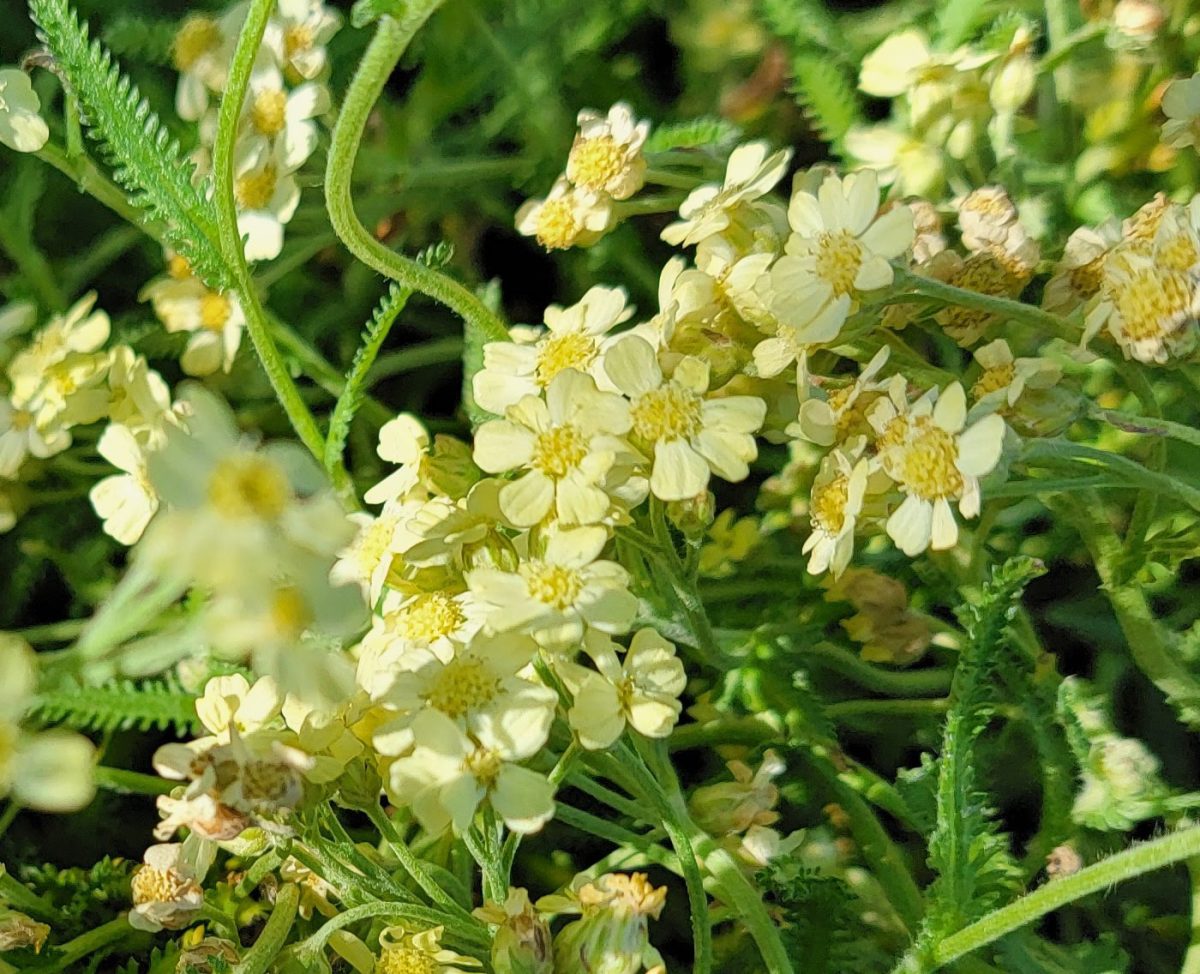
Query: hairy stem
x,y
231,240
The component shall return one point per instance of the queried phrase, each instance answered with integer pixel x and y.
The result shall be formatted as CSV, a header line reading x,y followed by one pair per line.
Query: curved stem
x,y
389,43
270,942
1057,893
231,239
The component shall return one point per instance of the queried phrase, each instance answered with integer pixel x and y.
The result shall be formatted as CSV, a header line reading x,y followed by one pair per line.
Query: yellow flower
x,y
642,690
687,434
565,445
833,509
404,952
935,460
606,156
567,217
750,174
575,338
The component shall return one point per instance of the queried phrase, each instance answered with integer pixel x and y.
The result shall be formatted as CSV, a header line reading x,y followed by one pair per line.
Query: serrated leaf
x,y
145,159
120,705
827,93
694,134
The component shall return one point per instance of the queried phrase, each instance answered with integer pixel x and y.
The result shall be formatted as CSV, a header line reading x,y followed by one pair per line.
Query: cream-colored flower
x,y
479,688
729,807
58,354
139,399
833,509
575,338
565,444
166,890
20,438
567,217
231,704
814,322
411,625
125,502
892,68
606,156
201,52
752,172
449,774
642,690
909,164
839,413
214,320
21,127
687,434
556,595
298,34
612,935
402,951
405,442
49,770
367,560
838,246
275,118
1079,273
1181,105
267,195
1148,308
934,460
1005,378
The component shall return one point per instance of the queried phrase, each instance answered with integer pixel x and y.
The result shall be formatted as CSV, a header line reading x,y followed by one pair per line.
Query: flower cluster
x,y
278,131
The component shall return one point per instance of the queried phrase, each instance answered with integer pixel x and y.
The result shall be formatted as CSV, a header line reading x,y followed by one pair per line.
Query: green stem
x,y
274,935
845,709
66,955
244,56
257,873
1146,425
1191,959
391,38
1057,893
412,865
900,683
130,782
84,174
1015,310
309,951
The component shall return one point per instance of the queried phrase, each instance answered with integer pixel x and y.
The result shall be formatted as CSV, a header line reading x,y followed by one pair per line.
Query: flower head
x,y
606,156
21,127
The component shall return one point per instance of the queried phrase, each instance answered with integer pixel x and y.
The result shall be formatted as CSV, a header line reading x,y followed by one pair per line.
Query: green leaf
x,y
373,337
120,705
974,865
696,133
956,19
145,159
149,41
827,93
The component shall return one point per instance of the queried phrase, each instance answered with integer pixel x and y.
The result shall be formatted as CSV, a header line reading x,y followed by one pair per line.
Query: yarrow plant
x,y
694,632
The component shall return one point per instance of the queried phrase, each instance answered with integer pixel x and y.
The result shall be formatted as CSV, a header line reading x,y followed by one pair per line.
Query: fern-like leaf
x,y
697,133
373,337
956,20
827,94
145,159
975,868
120,705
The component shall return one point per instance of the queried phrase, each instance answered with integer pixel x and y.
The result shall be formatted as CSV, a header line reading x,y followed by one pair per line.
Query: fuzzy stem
x,y
391,38
88,943
270,942
1057,893
257,325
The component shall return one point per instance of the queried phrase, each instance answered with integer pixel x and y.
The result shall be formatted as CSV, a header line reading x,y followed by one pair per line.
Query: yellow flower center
x,y
992,380
1086,280
552,585
484,764
406,960
668,413
268,113
290,613
373,545
150,885
559,450
894,434
247,485
1177,254
197,37
593,163
179,268
1143,225
927,468
1153,302
463,685
429,617
569,350
555,225
839,257
215,311
297,39
828,505
254,189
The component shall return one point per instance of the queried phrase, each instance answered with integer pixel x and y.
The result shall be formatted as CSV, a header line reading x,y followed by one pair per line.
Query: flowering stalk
x,y
249,42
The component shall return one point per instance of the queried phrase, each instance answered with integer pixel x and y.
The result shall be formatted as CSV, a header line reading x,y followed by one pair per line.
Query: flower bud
x,y
612,935
18,930
734,806
521,943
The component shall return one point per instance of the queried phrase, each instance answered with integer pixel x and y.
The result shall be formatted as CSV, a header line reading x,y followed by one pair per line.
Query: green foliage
x,y
83,898
971,856
824,89
141,38
956,19
146,160
697,133
821,919
120,705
